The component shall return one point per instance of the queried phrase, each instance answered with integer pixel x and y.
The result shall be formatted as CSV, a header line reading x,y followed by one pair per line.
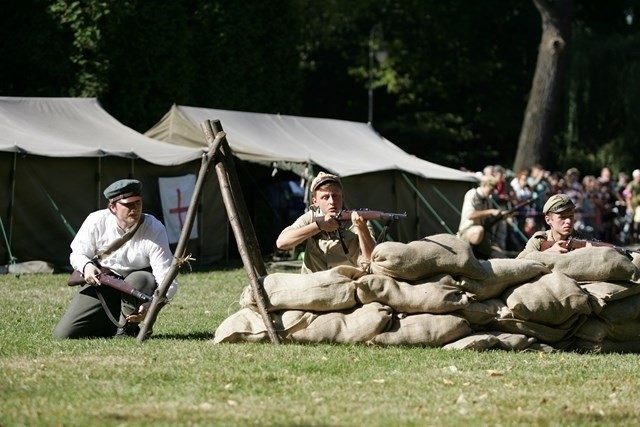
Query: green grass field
x,y
178,377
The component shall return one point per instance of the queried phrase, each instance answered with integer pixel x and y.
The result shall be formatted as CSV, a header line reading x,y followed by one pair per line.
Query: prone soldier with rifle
x,y
559,213
119,256
571,244
332,235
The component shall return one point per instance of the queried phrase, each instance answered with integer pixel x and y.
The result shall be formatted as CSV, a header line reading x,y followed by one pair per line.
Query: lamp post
x,y
377,49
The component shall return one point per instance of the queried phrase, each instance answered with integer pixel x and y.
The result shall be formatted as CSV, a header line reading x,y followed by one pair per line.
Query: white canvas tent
x,y
56,157
376,173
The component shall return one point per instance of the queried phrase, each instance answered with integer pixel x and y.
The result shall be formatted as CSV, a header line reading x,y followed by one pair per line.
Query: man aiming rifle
x,y
329,239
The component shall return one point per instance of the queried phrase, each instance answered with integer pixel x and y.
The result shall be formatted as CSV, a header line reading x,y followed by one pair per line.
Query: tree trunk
x,y
546,89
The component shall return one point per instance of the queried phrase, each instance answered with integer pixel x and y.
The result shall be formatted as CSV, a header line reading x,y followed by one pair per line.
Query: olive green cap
x,y
558,203
124,191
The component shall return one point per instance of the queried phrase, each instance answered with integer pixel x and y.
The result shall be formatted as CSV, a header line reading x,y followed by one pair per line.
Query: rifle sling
x,y
383,233
114,246
105,307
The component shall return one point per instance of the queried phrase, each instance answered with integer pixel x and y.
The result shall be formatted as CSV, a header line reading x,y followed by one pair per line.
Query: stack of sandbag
x,y
434,292
570,307
438,304
308,308
611,280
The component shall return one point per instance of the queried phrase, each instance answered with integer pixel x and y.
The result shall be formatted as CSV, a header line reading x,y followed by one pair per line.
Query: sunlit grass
x,y
178,377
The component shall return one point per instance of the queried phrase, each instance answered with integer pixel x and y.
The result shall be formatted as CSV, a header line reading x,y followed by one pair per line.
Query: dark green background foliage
x,y
453,89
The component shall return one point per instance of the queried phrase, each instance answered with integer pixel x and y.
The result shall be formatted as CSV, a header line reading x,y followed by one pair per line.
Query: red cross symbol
x,y
180,209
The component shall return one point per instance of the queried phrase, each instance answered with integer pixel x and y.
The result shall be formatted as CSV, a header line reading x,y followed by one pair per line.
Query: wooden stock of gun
x,y
490,222
345,215
572,243
367,214
108,279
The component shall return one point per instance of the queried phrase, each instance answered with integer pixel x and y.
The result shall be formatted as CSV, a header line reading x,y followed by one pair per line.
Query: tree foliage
x,y
36,53
601,101
450,79
453,90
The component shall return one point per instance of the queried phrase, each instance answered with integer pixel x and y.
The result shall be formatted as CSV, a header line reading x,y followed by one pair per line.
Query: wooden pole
x,y
241,208
241,224
179,257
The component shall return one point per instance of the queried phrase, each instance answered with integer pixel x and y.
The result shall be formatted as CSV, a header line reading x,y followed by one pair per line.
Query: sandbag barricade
x,y
435,293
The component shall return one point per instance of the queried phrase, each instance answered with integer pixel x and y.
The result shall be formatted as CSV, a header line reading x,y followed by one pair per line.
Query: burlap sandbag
x,y
593,329
357,325
544,333
432,255
590,264
491,340
443,295
624,331
502,273
606,292
246,325
635,259
622,310
484,312
329,290
551,299
433,330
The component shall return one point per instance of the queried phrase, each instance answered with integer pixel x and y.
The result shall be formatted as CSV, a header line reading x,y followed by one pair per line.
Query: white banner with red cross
x,y
175,195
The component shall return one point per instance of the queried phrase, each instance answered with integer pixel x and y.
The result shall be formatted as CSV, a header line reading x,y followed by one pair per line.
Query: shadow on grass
x,y
196,336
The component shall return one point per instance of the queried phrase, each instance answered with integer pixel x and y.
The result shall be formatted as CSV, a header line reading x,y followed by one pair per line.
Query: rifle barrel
x,y
123,287
370,214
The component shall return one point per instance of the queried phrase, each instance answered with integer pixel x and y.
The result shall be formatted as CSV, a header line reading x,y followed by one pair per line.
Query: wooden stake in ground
x,y
220,153
180,257
240,222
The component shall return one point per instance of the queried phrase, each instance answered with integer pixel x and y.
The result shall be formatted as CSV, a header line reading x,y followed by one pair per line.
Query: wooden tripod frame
x,y
220,154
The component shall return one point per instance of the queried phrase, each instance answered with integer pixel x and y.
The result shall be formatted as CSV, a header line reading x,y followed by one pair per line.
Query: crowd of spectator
x,y
607,209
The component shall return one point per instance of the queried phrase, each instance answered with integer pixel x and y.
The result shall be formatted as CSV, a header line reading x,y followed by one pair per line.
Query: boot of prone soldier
x,y
145,283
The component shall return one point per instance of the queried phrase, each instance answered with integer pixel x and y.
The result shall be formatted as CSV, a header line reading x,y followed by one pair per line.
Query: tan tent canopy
x,y
56,157
376,173
343,147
